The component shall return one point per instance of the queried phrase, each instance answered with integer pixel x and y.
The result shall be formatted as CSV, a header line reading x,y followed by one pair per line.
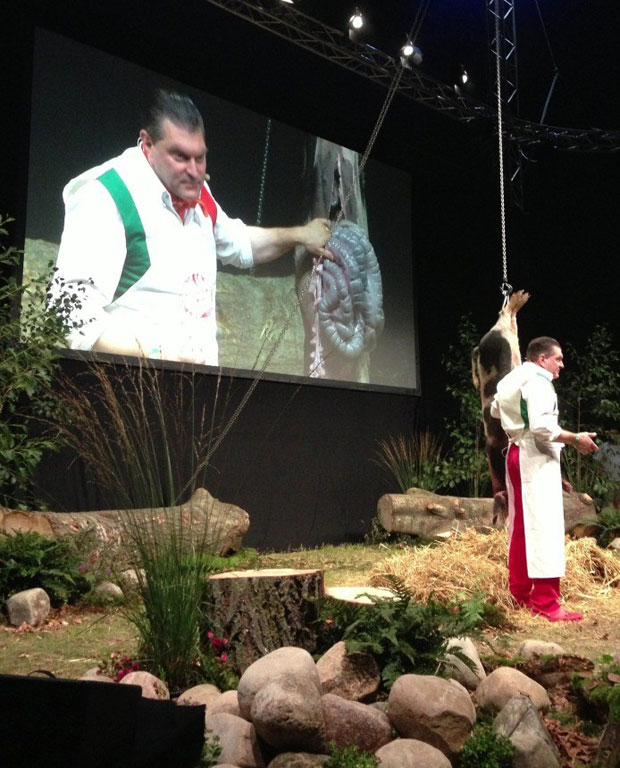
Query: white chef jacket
x,y
526,403
174,301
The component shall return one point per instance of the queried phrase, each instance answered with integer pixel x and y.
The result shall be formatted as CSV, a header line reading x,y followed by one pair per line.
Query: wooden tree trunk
x,y
423,513
260,611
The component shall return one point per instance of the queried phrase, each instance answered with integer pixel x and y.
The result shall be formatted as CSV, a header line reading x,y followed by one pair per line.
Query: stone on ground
x,y
31,606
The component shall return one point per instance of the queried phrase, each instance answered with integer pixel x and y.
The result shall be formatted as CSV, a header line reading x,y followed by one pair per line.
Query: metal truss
x,y
505,78
334,46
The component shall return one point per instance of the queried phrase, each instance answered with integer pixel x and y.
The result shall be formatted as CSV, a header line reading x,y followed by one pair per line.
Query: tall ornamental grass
x,y
412,461
147,443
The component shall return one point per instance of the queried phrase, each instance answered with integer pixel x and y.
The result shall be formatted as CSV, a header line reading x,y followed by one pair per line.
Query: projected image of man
x,y
141,240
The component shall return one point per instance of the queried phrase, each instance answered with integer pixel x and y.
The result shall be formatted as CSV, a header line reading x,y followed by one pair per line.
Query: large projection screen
x,y
88,107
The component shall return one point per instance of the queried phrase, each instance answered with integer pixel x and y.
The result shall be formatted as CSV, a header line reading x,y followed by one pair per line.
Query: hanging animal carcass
x,y
496,355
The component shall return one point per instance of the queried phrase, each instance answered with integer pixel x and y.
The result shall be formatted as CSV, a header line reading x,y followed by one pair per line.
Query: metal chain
x,y
505,287
296,306
263,175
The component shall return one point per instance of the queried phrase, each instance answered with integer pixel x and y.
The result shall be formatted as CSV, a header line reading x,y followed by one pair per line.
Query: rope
x,y
505,288
296,306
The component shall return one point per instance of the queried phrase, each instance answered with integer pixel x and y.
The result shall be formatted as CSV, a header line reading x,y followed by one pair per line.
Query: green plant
x,y
412,461
128,430
608,524
29,560
349,757
29,343
486,749
599,693
403,635
466,467
211,750
589,396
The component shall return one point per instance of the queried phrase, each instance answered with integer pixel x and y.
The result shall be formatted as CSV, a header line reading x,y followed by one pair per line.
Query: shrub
x,y
349,757
403,635
29,560
29,355
414,461
486,749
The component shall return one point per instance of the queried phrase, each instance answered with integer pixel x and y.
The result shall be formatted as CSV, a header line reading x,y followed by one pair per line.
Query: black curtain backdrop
x,y
300,459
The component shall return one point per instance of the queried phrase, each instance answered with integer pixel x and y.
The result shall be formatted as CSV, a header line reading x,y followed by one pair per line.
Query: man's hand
x,y
584,442
566,486
314,236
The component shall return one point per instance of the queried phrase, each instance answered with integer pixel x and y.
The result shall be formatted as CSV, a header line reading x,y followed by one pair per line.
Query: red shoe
x,y
559,614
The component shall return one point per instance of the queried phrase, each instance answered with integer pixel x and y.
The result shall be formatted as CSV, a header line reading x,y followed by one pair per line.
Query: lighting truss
x,y
334,46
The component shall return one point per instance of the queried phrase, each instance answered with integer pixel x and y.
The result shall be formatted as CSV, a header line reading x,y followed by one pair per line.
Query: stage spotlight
x,y
356,22
464,84
410,53
288,2
464,77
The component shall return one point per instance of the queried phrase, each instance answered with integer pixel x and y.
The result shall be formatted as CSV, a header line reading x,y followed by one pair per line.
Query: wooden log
x,y
225,524
424,513
259,611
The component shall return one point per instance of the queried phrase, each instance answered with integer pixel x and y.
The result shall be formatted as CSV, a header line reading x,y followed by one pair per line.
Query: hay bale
x,y
470,562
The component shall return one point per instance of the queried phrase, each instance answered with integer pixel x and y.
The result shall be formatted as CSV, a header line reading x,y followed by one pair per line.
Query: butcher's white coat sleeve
x,y
90,260
542,409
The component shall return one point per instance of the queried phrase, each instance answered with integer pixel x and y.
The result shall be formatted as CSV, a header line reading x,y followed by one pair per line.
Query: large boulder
x,y
31,606
294,661
298,760
496,690
226,702
288,714
237,739
152,687
411,753
520,722
433,710
529,649
468,676
200,694
354,676
349,722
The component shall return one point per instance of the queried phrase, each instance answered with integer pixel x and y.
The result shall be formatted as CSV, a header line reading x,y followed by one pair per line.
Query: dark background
x,y
299,458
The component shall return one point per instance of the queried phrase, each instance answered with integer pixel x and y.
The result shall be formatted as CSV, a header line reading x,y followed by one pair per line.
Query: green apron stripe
x,y
524,416
137,260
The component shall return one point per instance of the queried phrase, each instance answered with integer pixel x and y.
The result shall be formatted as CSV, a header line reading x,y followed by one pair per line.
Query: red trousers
x,y
540,594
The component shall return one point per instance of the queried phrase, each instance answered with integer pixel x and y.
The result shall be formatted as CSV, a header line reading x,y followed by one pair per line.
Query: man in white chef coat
x,y
526,404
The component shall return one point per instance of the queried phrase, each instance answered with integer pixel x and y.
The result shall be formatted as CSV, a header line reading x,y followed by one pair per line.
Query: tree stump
x,y
260,611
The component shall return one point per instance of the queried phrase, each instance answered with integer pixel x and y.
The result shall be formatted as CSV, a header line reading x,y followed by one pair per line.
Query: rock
x,y
109,590
288,714
227,702
496,690
458,670
615,544
349,722
199,694
411,753
152,687
355,676
31,606
291,660
129,579
433,710
237,740
94,675
298,760
529,649
520,722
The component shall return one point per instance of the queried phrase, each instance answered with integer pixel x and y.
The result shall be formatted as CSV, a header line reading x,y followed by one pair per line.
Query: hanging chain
x,y
297,305
263,175
505,287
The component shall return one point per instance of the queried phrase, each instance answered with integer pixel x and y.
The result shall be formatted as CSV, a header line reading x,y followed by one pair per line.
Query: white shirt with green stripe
x,y
132,261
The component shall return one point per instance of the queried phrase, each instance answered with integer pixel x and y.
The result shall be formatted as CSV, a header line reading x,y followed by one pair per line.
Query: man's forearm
x,y
269,244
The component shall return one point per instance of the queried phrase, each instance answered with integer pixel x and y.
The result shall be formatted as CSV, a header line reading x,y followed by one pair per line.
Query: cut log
x,y
260,611
226,524
423,513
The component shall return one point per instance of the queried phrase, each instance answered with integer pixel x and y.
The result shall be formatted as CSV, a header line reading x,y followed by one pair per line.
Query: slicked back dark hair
x,y
176,107
542,345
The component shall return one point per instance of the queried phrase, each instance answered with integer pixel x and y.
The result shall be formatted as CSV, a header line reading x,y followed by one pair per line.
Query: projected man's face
x,y
179,159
